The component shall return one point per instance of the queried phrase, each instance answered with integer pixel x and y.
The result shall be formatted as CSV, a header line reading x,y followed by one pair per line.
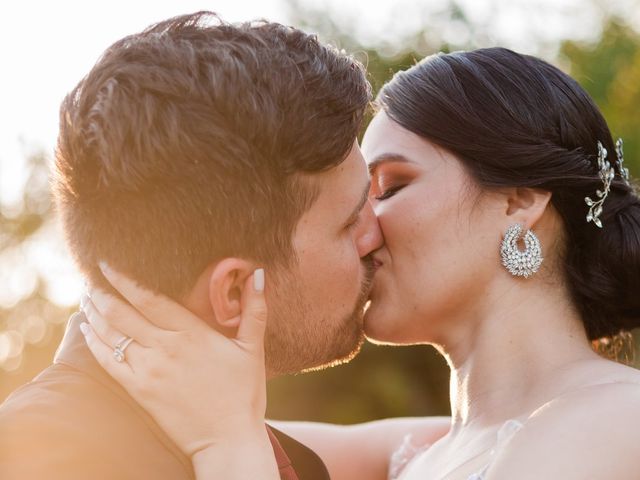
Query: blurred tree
x,y
610,71
24,217
30,324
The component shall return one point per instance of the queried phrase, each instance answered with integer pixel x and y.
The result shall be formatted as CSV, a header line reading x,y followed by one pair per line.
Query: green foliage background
x,y
382,381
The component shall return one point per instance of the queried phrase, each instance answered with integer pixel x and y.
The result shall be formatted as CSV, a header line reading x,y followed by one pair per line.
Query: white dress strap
x,y
403,455
506,432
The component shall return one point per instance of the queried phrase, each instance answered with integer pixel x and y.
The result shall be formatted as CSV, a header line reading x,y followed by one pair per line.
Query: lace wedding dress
x,y
408,451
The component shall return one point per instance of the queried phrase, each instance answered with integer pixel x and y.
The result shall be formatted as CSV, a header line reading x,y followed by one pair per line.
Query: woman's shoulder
x,y
605,404
587,386
617,399
610,385
589,432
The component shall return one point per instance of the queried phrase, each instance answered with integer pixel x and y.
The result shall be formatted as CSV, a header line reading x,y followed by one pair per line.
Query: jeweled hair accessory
x,y
606,174
624,172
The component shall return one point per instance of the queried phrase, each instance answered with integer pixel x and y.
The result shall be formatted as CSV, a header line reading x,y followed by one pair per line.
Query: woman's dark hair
x,y
515,120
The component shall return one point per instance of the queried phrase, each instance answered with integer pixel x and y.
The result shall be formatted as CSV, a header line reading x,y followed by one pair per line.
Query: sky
x,y
46,47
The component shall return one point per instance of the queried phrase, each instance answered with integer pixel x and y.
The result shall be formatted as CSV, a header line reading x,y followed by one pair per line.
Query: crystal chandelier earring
x,y
519,263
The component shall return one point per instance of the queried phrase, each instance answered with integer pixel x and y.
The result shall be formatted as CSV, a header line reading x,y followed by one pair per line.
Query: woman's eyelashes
x,y
386,181
389,192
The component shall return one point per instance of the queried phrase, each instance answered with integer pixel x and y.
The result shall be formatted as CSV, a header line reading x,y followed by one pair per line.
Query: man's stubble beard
x,y
301,338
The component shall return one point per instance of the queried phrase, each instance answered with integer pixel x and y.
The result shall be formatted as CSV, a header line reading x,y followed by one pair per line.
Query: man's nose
x,y
368,234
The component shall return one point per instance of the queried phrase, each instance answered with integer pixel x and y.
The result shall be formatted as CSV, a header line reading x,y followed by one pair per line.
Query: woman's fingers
x,y
192,371
254,312
162,311
108,335
120,371
150,315
110,317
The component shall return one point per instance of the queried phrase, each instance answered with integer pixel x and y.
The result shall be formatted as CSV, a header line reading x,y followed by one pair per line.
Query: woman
x,y
473,156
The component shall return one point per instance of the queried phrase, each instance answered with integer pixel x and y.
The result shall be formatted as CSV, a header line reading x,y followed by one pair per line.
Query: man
x,y
191,154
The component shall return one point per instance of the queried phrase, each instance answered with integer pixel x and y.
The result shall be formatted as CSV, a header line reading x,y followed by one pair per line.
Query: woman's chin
x,y
379,328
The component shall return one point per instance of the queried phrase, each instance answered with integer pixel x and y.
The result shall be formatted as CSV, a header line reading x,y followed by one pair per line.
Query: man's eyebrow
x,y
361,203
386,158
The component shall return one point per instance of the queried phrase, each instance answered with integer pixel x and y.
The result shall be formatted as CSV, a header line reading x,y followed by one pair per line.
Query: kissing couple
x,y
232,229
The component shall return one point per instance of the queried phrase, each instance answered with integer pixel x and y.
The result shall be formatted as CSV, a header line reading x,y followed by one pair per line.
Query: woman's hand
x,y
205,390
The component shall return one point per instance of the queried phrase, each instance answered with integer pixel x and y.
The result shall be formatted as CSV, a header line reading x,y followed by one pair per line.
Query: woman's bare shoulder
x,y
591,432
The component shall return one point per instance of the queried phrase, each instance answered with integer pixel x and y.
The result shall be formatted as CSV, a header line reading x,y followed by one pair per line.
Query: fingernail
x,y
84,328
258,280
83,300
104,267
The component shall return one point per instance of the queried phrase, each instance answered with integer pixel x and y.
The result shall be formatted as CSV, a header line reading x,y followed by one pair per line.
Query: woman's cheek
x,y
396,216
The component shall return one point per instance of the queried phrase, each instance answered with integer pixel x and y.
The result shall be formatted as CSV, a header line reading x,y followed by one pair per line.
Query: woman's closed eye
x,y
389,192
389,179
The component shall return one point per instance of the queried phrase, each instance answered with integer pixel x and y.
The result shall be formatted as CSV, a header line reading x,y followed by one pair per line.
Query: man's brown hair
x,y
183,143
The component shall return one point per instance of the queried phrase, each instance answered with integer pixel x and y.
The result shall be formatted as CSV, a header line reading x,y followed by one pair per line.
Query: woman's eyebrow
x,y
386,158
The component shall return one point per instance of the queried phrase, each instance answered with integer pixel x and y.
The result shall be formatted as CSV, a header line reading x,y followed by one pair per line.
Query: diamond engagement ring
x,y
121,346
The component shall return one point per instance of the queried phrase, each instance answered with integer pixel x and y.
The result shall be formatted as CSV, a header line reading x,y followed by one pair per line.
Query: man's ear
x,y
226,283
526,206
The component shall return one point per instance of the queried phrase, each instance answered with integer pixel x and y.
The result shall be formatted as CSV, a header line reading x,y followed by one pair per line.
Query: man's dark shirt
x,y
73,421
